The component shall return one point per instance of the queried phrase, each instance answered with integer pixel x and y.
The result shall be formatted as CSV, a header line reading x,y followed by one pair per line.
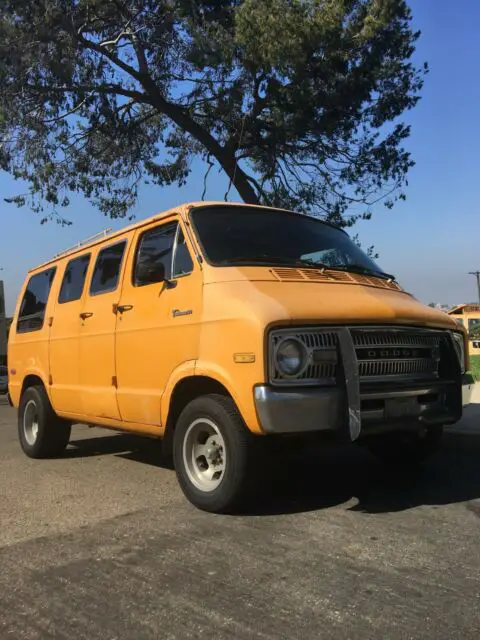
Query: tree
x,y
297,101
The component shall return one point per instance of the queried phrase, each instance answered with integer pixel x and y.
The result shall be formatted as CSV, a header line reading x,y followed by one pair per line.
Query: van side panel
x,y
97,372
65,349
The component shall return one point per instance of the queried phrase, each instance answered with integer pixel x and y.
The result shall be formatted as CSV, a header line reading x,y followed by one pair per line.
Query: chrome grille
x,y
395,337
405,368
382,354
398,353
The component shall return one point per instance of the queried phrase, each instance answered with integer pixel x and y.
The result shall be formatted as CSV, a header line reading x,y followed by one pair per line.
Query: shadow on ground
x,y
318,480
130,447
451,476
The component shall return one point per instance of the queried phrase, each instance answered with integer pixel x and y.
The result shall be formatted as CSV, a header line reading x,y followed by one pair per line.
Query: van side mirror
x,y
149,273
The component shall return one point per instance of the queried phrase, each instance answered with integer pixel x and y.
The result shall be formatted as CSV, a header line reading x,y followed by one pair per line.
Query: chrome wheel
x,y
204,454
30,422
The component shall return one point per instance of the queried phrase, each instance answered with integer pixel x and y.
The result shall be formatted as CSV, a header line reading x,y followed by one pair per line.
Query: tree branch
x,y
90,88
65,115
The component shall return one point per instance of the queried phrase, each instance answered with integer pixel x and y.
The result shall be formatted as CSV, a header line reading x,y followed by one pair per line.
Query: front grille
x,y
381,353
424,368
397,353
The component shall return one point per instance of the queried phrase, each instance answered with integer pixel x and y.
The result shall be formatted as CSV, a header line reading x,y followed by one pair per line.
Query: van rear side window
x,y
34,303
107,269
74,279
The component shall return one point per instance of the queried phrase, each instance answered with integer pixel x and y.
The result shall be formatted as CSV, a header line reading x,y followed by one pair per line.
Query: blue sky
x,y
430,242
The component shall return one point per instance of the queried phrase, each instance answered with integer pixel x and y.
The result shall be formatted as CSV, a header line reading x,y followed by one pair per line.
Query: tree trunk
x,y
225,159
239,180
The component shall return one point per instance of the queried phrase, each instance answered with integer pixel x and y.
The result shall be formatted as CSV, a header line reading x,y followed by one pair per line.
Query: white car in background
x,y
3,380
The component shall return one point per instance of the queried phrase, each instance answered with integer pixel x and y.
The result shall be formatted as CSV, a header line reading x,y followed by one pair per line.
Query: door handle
x,y
86,314
121,308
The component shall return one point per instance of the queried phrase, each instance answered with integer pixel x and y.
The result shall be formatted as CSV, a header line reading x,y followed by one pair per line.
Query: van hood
x,y
297,300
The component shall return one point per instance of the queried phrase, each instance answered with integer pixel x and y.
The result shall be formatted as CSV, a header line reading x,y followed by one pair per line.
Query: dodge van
x,y
221,328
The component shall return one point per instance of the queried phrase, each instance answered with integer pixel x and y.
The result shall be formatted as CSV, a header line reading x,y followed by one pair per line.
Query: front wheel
x,y
41,432
406,448
212,452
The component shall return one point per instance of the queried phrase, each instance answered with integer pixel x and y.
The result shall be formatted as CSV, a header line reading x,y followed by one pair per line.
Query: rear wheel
x,y
406,448
41,432
212,452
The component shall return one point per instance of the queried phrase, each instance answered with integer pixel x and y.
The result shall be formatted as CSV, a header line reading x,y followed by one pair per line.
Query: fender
x,y
16,384
184,370
244,401
240,387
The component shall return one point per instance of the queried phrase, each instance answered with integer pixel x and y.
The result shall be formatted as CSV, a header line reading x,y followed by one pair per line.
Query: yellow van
x,y
212,325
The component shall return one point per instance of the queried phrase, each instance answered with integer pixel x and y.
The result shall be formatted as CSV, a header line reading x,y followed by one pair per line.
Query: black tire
x,y
52,433
406,448
237,477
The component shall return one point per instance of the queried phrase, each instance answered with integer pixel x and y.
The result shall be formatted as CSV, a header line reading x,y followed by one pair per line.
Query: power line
x,y
477,275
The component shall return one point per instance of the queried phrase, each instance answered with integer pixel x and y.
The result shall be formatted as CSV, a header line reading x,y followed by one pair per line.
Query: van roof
x,y
182,209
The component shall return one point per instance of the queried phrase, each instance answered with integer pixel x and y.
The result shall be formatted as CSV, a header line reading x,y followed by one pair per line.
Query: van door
x,y
29,335
158,322
65,338
97,332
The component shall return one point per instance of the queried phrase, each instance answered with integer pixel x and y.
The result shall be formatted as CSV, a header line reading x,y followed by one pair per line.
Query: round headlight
x,y
291,357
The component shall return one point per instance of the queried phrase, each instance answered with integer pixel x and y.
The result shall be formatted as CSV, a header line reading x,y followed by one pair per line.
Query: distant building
x,y
469,316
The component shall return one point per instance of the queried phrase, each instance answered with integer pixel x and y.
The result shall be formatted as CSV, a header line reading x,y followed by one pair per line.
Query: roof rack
x,y
79,245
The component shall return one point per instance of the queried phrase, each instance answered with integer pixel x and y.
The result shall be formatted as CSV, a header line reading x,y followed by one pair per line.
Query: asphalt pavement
x,y
101,544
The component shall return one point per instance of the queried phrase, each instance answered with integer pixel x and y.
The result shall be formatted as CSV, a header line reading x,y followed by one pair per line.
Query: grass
x,y
475,366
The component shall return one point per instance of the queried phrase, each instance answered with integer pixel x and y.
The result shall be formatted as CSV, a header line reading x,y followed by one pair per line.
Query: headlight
x,y
291,357
459,344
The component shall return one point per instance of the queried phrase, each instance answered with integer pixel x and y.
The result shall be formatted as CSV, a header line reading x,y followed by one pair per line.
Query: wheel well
x,y
31,381
185,391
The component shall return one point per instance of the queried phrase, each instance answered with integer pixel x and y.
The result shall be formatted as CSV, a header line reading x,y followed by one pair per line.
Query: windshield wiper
x,y
306,262
271,260
358,268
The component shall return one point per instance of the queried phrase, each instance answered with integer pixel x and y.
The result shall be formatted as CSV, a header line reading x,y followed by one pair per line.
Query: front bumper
x,y
377,409
468,382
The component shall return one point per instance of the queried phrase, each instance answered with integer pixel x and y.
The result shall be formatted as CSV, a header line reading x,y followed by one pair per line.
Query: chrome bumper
x,y
289,411
299,411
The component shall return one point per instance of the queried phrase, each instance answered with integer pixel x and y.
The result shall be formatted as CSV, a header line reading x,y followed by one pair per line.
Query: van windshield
x,y
250,236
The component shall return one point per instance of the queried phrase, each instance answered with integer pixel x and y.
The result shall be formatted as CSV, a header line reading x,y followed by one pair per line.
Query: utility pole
x,y
477,274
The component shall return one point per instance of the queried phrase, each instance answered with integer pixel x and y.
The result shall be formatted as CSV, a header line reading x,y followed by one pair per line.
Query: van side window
x,y
74,279
107,269
155,250
182,263
34,303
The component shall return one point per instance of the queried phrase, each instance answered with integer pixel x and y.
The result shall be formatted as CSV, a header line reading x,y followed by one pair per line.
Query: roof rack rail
x,y
82,243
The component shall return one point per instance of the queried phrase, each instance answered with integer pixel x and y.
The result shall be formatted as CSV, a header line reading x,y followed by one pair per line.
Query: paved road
x,y
101,545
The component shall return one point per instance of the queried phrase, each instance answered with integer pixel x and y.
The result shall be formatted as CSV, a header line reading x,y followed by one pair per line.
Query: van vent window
x,y
183,262
107,269
74,279
34,303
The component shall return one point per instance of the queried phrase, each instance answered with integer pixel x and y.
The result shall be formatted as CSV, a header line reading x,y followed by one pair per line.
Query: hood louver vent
x,y
286,274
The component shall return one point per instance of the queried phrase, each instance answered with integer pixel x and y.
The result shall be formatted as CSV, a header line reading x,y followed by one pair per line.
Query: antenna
x,y
477,274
